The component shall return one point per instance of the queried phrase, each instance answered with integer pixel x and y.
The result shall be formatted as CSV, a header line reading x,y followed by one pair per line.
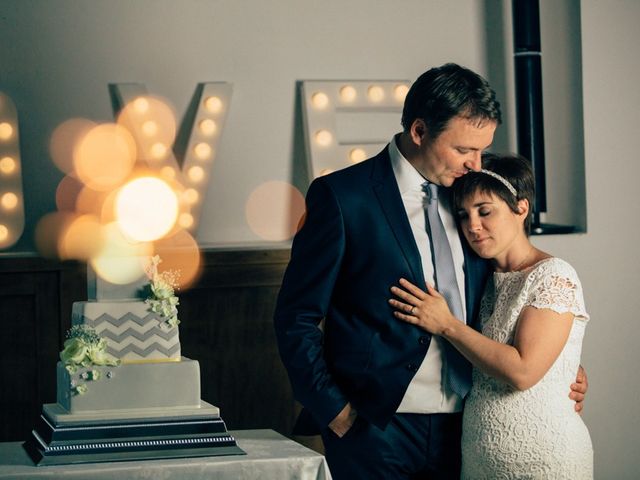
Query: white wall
x,y
57,57
607,257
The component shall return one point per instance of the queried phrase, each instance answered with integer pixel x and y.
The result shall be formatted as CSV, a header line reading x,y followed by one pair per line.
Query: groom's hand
x,y
344,421
579,389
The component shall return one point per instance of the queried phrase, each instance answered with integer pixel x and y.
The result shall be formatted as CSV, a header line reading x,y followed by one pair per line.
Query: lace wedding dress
x,y
531,434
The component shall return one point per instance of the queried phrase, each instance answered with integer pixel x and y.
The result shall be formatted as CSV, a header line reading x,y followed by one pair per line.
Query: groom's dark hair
x,y
442,93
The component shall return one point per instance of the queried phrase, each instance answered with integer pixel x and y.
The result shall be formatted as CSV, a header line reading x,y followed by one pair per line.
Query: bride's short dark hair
x,y
517,172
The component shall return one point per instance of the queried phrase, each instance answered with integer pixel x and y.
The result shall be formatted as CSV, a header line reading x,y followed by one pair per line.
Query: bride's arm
x,y
539,337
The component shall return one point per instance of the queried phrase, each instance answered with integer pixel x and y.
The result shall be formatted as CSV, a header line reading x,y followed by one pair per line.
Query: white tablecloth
x,y
269,456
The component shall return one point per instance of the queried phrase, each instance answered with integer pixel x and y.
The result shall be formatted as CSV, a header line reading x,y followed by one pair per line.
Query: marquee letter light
x,y
348,121
203,138
11,197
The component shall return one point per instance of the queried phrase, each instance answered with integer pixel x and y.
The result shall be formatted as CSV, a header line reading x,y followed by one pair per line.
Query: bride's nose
x,y
474,224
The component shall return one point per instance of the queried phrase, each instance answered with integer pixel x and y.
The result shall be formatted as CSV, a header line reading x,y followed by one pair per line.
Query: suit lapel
x,y
386,190
476,271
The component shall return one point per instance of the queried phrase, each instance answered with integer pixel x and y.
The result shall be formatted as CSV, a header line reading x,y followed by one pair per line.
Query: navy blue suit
x,y
356,242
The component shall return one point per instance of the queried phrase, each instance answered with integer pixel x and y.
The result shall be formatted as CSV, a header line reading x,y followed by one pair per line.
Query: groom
x,y
388,397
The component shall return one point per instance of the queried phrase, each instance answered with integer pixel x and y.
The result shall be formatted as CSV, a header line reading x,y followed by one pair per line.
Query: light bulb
x,y
213,104
7,165
324,137
158,151
141,105
149,128
320,100
400,92
6,130
196,174
9,201
357,155
348,94
208,127
202,151
375,93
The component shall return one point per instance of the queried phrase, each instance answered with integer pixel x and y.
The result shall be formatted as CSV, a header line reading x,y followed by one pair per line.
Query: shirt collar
x,y
408,178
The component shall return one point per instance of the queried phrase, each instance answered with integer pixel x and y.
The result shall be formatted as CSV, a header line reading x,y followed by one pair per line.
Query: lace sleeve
x,y
555,285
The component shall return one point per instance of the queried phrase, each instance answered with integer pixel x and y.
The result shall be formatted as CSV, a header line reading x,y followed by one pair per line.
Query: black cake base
x,y
61,439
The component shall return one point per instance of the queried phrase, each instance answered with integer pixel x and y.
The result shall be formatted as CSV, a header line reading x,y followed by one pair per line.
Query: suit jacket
x,y
356,242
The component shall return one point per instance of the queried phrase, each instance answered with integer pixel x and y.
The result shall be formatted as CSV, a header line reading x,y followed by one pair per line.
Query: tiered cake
x,y
124,392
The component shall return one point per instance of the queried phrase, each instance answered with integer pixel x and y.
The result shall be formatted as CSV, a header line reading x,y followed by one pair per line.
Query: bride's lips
x,y
478,241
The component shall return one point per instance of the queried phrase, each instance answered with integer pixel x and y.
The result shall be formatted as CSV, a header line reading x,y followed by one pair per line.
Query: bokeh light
x,y
180,252
4,233
150,128
158,151
140,105
82,239
48,232
152,122
120,261
105,156
191,196
67,193
185,220
146,208
65,139
266,205
168,172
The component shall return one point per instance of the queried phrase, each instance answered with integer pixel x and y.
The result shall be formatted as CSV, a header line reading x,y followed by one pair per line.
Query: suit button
x,y
424,340
413,367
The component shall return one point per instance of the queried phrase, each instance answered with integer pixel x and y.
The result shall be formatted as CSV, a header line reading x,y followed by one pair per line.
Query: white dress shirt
x,y
428,391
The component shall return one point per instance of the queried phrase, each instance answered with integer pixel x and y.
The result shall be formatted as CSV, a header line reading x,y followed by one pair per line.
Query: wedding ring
x,y
413,310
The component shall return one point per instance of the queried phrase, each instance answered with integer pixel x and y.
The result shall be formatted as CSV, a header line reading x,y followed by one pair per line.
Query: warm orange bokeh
x,y
265,207
105,156
180,252
65,139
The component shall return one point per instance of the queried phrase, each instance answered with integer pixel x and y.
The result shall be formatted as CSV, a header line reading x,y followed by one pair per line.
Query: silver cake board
x,y
62,438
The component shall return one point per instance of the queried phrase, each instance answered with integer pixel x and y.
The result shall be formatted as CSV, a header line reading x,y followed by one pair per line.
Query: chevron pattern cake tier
x,y
133,332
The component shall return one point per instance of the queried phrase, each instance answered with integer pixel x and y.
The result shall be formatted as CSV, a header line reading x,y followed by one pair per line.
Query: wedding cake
x,y
124,391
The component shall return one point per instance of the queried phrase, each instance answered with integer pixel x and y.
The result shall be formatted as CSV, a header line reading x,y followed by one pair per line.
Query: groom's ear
x,y
418,131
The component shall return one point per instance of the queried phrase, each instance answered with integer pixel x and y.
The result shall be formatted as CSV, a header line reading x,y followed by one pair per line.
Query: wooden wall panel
x,y
32,324
227,325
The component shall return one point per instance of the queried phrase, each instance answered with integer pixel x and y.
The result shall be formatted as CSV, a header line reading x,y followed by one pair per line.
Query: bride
x,y
518,419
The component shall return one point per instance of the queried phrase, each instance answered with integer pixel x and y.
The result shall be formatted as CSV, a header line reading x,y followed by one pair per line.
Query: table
x,y
269,456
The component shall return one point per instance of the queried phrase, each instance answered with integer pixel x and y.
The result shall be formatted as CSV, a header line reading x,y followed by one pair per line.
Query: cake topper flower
x,y
82,349
163,284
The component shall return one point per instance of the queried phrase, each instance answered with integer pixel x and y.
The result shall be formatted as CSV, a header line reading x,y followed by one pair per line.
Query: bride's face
x,y
489,225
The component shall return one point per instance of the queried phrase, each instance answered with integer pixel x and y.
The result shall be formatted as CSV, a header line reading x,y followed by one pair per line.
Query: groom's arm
x,y
579,389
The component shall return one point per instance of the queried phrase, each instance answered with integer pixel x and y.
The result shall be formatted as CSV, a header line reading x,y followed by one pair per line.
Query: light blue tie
x,y
458,369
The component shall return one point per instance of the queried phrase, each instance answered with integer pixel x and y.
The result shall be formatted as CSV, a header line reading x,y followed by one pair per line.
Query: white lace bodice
x,y
534,433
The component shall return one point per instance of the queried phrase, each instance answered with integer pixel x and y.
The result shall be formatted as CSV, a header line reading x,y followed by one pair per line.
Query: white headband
x,y
502,180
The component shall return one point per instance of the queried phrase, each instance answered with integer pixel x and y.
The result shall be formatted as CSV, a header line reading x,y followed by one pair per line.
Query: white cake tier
x,y
131,387
132,331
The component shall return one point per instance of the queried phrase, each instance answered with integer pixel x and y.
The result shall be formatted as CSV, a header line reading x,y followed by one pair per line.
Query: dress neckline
x,y
524,270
